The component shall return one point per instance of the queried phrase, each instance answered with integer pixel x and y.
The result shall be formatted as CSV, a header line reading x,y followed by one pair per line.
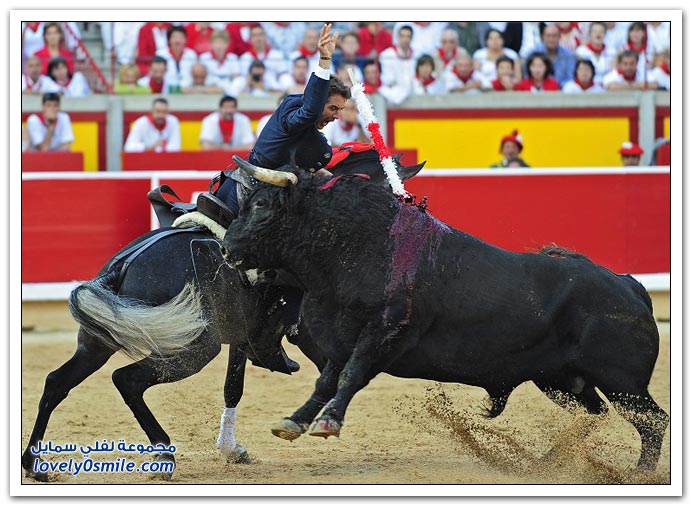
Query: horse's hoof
x,y
166,474
325,427
42,477
288,429
238,455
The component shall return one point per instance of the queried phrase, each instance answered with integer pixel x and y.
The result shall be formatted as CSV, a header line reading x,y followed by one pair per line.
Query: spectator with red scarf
x,y
625,77
583,79
34,82
505,79
637,41
373,39
426,81
50,129
226,128
285,36
570,34
220,61
596,51
371,73
445,54
157,131
156,80
54,46
179,58
152,38
661,74
260,49
540,69
462,77
308,48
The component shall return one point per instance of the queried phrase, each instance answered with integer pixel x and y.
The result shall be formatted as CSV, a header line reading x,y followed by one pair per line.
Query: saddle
x,y
208,204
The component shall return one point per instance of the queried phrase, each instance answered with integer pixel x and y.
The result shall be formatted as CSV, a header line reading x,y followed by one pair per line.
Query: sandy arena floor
x,y
396,432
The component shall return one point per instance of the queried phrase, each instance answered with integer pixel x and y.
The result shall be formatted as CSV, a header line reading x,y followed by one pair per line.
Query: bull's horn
x,y
275,177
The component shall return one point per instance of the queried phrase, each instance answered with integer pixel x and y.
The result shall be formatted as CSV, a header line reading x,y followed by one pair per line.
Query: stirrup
x,y
214,208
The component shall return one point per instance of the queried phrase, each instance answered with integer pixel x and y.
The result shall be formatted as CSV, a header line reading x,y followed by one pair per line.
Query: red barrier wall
x,y
51,161
621,220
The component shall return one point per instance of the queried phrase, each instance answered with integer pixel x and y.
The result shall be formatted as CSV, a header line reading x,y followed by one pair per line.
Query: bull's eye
x,y
260,203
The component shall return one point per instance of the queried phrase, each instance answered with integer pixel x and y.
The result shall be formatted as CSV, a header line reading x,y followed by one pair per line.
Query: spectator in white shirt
x,y
284,36
121,36
295,81
625,76
273,59
179,58
35,83
398,63
426,35
426,81
661,74
71,85
220,62
347,128
51,129
308,48
156,80
158,131
597,52
462,77
226,128
258,82
583,79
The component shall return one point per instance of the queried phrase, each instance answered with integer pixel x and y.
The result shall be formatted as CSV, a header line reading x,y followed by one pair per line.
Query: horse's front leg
x,y
232,393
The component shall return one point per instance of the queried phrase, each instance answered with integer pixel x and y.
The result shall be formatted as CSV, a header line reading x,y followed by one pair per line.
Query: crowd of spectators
x,y
405,58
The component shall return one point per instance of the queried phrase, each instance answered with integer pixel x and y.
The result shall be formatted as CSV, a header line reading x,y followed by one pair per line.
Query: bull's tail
x,y
639,290
138,329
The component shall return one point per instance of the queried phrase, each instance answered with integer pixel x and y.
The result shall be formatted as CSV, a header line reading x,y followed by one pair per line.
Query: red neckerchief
x,y
401,56
582,86
155,87
665,68
571,27
254,53
427,81
369,88
346,126
641,50
29,84
628,79
597,52
463,79
306,52
160,128
226,127
444,58
282,24
33,26
42,119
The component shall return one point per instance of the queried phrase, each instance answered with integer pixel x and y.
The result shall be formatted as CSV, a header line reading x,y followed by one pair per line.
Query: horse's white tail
x,y
139,330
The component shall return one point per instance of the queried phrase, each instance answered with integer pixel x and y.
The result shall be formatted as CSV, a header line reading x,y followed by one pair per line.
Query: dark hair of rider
x,y
337,87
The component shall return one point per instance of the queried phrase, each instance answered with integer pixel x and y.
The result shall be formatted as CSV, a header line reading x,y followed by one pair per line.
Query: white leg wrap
x,y
226,441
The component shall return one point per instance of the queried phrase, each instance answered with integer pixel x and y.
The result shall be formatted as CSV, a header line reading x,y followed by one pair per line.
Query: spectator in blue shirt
x,y
564,60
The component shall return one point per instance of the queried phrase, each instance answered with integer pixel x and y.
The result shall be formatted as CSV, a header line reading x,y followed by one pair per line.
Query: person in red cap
x,y
631,154
510,147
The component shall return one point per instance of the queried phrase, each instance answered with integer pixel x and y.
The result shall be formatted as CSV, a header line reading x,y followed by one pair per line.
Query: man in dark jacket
x,y
292,133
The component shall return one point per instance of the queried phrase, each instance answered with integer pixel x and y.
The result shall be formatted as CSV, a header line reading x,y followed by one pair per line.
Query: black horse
x,y
171,308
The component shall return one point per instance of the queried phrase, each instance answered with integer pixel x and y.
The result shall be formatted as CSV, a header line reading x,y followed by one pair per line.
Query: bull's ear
x,y
410,171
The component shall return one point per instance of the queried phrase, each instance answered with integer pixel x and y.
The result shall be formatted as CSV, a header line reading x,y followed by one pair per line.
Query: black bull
x,y
389,288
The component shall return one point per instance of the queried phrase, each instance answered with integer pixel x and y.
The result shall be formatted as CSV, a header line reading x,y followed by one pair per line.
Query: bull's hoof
x,y
288,429
325,427
238,455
